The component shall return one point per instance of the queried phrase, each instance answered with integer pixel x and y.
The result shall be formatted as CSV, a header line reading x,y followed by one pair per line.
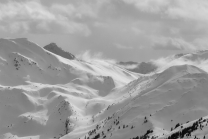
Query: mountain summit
x,y
52,47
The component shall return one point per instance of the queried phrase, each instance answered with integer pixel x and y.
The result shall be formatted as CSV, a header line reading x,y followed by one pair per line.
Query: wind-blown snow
x,y
143,67
45,96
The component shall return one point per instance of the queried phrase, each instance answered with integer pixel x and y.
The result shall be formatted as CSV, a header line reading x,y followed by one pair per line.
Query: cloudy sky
x,y
137,30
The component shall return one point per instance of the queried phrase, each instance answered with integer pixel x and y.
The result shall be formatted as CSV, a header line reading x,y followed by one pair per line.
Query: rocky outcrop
x,y
52,47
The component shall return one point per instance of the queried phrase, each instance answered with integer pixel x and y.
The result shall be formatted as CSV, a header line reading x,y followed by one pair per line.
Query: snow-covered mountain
x,y
52,47
142,68
47,96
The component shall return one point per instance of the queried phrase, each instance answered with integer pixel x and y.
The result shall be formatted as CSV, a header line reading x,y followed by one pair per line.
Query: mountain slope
x,y
152,106
45,96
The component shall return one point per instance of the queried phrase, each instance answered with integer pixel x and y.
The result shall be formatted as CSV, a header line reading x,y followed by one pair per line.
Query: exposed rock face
x,y
143,67
52,47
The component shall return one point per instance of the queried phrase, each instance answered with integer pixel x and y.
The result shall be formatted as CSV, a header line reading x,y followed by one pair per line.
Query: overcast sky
x,y
137,30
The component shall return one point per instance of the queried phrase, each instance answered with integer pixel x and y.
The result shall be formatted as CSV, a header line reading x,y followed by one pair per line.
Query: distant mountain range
x,y
143,67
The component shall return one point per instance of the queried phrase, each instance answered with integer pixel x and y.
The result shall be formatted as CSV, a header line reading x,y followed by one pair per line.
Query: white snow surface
x,y
45,96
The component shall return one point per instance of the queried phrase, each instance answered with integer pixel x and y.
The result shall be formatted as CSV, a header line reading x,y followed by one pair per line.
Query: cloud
x,y
149,5
166,62
111,25
188,9
78,11
32,16
94,57
25,10
120,46
137,21
201,42
129,66
165,43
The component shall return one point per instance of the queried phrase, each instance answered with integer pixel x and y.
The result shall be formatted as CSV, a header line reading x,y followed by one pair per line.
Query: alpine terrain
x,y
47,93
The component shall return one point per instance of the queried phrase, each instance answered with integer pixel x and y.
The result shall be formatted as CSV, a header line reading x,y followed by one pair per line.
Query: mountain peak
x,y
54,48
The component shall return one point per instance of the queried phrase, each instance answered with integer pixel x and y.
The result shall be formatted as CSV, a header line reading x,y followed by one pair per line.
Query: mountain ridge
x,y
44,95
52,47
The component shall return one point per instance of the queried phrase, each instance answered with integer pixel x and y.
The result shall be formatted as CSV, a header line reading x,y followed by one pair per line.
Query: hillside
x,y
42,95
46,96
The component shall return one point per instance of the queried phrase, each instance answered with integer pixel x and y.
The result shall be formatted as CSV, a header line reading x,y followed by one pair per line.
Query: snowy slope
x,y
42,95
45,96
151,106
27,61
